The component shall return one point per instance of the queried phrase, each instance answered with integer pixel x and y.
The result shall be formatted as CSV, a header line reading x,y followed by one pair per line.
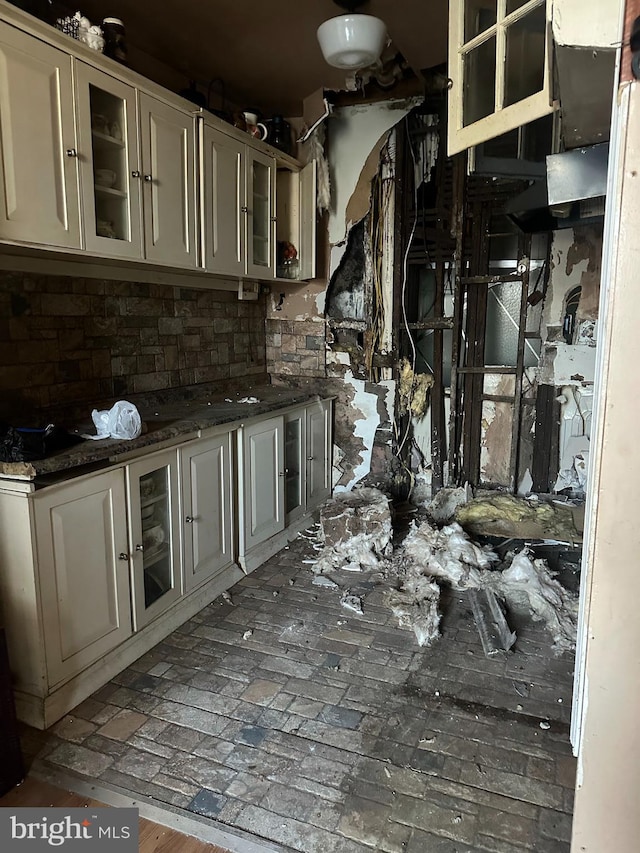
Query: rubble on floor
x,y
513,517
356,531
355,534
442,508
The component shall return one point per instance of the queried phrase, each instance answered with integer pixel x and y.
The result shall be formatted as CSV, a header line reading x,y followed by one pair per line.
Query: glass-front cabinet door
x,y
261,219
294,465
109,161
153,528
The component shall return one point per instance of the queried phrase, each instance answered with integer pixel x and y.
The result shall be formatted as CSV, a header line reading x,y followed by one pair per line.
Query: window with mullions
x,y
499,60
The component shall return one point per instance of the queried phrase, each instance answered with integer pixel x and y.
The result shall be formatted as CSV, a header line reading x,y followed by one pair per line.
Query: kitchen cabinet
x,y
82,571
206,514
252,201
99,567
154,535
110,163
167,137
137,158
261,469
39,180
224,206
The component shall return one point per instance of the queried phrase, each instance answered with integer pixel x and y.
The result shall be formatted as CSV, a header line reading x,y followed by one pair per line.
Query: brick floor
x,y
329,731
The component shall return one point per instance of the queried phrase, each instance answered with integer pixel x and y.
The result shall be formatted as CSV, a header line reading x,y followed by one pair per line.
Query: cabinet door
x,y
167,139
154,540
223,193
207,508
261,215
263,480
38,150
308,191
83,569
295,428
318,452
107,130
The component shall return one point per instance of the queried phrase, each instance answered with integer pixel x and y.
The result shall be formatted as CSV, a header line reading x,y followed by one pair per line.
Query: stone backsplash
x,y
67,340
295,347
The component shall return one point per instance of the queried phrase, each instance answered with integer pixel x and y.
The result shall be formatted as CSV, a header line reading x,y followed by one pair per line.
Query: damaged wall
x,y
569,355
301,348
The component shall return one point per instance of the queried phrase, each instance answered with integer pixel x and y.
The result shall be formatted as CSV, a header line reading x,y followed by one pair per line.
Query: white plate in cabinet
x,y
207,508
154,535
39,178
83,571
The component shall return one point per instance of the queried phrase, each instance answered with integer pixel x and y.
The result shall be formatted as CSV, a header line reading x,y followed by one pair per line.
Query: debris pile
x,y
517,518
356,531
415,605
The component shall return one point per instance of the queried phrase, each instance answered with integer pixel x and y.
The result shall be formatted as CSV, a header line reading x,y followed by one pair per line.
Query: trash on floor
x,y
351,602
442,508
494,632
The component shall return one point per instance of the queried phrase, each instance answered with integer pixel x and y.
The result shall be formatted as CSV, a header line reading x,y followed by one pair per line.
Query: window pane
x,y
524,63
503,321
479,82
512,5
479,15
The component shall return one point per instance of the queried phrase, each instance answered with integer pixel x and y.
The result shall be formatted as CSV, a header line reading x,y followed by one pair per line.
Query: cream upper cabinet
x,y
167,137
224,210
109,163
83,571
38,149
261,215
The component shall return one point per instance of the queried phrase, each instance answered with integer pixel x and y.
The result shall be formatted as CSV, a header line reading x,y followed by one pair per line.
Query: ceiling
x,y
265,52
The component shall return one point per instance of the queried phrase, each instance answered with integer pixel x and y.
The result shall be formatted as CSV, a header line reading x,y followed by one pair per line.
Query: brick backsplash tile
x,y
67,340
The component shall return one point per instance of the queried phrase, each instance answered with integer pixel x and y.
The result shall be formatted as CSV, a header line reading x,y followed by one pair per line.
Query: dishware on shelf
x,y
105,177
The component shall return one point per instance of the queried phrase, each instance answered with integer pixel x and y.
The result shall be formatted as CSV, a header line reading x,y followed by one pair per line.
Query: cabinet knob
x,y
244,210
189,519
71,152
148,178
135,173
123,556
309,458
139,547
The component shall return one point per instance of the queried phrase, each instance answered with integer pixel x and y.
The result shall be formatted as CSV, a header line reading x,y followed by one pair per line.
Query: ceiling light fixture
x,y
352,41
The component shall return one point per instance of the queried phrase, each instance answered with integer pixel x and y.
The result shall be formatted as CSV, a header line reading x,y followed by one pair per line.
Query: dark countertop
x,y
161,422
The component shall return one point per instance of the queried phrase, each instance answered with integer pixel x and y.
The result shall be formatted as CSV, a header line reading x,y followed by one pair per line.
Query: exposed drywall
x,y
356,135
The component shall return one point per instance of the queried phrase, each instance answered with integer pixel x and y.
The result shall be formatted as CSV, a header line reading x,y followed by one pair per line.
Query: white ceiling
x,y
266,50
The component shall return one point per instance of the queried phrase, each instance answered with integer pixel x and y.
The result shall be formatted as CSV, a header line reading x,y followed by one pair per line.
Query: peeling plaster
x,y
364,427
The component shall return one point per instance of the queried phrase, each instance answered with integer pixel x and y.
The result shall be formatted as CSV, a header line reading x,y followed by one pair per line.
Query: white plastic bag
x,y
122,420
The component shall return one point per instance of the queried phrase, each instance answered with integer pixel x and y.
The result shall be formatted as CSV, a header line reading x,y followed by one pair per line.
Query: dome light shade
x,y
352,41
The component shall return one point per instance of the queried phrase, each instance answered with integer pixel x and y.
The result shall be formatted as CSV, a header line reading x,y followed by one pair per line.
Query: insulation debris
x,y
442,508
529,584
321,580
415,606
351,602
413,388
449,554
517,518
356,531
525,584
248,400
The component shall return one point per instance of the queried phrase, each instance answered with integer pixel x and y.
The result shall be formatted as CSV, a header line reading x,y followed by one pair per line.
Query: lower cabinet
x,y
284,467
83,571
98,568
206,513
154,535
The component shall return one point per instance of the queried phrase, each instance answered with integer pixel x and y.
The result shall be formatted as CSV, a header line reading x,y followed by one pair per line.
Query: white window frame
x,y
502,119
